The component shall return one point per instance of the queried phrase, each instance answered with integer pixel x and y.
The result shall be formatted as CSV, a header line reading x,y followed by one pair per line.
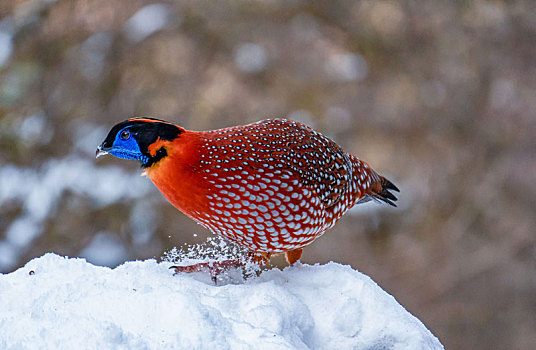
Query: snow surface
x,y
55,302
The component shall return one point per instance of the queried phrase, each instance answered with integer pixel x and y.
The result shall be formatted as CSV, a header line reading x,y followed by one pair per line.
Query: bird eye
x,y
125,135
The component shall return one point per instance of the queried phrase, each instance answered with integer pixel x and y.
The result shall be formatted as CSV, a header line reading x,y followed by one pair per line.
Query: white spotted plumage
x,y
277,185
272,186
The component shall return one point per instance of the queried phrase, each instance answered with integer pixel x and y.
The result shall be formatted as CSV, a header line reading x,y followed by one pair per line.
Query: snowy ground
x,y
55,302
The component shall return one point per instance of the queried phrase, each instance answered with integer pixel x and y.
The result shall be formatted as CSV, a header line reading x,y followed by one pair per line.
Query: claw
x,y
217,267
213,267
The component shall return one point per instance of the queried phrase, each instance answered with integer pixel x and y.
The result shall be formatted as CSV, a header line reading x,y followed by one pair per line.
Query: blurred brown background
x,y
438,96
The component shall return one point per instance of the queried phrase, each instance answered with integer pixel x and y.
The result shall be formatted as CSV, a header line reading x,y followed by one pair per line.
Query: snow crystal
x,y
214,249
55,302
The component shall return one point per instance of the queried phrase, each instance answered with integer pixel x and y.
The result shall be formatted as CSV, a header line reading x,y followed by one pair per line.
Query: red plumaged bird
x,y
273,186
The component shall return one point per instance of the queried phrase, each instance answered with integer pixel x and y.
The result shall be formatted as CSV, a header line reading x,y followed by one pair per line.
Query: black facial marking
x,y
146,131
161,153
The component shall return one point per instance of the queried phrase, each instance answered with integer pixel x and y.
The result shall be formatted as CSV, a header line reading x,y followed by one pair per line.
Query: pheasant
x,y
273,186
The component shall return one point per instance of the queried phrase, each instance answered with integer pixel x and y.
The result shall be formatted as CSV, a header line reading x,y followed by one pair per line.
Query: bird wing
x,y
326,168
318,162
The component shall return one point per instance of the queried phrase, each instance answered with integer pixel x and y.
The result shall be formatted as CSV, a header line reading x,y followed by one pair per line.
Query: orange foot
x,y
293,255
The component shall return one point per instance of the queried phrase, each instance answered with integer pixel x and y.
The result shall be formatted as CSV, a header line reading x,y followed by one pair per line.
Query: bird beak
x,y
101,151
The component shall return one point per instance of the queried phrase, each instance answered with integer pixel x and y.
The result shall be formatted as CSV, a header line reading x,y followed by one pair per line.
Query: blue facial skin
x,y
127,148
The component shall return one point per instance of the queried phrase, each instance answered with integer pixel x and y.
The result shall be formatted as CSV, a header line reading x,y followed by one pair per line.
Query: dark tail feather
x,y
384,194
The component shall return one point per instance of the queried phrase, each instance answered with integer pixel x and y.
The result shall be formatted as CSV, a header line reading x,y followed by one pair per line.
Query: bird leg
x,y
260,258
213,267
293,255
217,267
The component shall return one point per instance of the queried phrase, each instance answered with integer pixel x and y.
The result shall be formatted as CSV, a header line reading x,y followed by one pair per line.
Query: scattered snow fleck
x,y
70,303
215,248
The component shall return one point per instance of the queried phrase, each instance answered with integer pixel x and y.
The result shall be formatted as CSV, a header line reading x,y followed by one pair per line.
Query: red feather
x,y
273,186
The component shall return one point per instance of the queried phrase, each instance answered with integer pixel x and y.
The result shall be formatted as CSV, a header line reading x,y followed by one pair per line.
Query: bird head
x,y
143,139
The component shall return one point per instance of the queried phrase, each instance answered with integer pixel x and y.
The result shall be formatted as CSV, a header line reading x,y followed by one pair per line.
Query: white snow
x,y
71,304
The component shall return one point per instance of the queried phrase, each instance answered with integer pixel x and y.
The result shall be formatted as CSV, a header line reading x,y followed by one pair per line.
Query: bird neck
x,y
177,175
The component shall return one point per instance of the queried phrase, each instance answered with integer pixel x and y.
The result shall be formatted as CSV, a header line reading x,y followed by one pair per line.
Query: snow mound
x,y
55,302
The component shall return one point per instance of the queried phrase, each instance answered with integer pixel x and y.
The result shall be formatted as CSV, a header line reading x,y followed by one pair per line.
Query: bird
x,y
272,187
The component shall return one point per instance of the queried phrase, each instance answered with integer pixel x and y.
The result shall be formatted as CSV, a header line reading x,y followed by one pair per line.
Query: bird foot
x,y
213,267
217,267
293,256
